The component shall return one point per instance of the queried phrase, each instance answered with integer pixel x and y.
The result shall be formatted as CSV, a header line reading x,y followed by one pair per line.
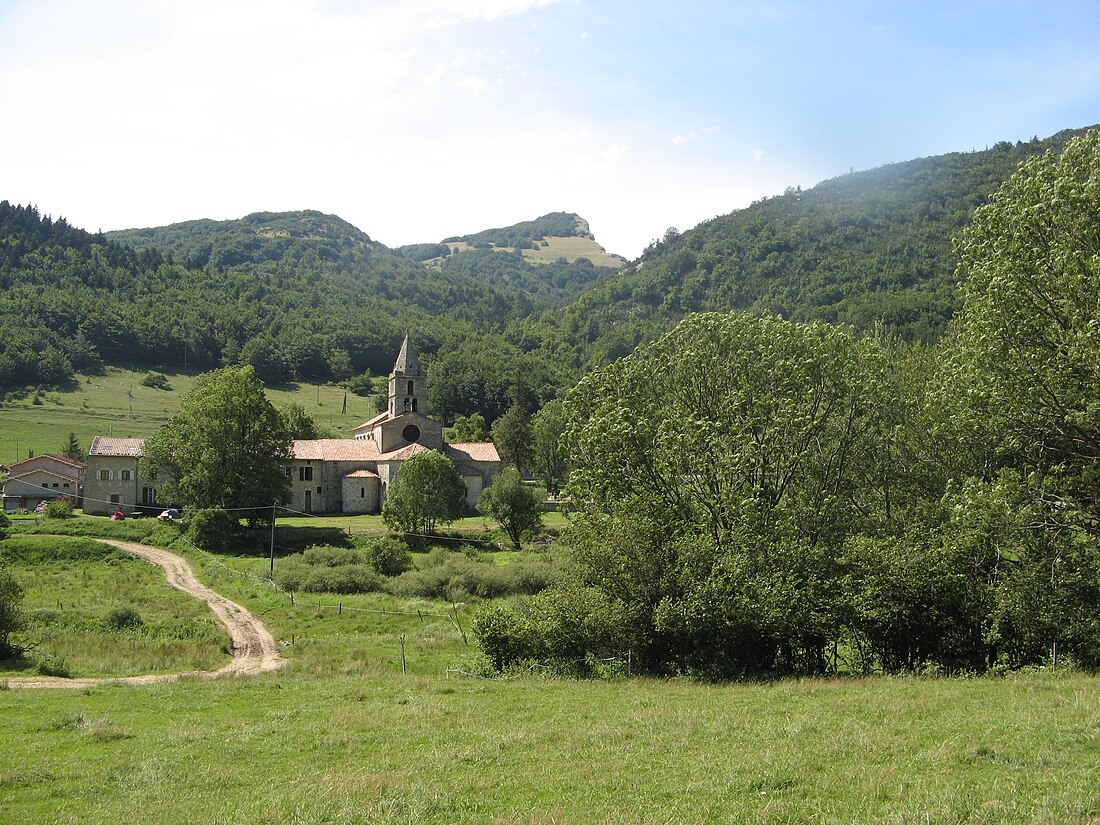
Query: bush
x,y
156,381
388,556
458,578
53,666
123,618
11,617
5,523
324,569
213,529
60,508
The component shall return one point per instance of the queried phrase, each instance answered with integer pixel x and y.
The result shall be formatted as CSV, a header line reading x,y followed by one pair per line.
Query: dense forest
x,y
296,295
304,295
866,249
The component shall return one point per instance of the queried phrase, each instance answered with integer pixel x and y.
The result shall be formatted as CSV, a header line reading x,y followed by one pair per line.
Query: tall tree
x,y
225,450
549,457
1028,347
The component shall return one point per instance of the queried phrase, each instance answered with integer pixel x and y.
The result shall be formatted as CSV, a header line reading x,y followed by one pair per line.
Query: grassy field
x,y
377,747
117,404
570,248
342,736
72,587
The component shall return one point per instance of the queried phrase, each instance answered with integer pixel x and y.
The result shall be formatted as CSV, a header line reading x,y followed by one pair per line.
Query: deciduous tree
x,y
225,450
428,491
515,505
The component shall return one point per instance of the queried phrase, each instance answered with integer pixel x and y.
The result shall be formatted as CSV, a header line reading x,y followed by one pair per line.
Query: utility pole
x,y
274,504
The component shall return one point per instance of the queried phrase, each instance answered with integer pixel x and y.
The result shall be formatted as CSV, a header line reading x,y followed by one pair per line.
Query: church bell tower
x,y
408,383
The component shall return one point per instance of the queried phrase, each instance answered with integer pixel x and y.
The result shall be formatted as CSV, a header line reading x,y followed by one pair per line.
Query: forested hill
x,y
861,249
301,295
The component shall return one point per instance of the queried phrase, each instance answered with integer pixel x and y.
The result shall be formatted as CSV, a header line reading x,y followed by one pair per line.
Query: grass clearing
x,y
77,598
376,747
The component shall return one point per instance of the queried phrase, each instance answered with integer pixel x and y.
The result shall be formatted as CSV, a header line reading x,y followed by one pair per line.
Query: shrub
x,y
456,577
123,618
324,569
156,381
388,556
53,666
11,617
60,508
5,523
213,529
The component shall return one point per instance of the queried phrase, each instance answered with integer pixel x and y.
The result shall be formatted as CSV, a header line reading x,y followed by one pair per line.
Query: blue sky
x,y
419,119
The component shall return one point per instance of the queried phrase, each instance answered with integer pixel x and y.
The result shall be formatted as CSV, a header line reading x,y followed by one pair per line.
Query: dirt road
x,y
254,650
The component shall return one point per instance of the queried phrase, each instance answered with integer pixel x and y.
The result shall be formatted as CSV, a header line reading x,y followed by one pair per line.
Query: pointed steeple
x,y
408,363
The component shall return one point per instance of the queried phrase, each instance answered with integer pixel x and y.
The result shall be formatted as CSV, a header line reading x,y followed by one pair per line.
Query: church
x,y
338,475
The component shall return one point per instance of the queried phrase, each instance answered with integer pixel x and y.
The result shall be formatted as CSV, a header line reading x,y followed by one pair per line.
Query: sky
x,y
416,120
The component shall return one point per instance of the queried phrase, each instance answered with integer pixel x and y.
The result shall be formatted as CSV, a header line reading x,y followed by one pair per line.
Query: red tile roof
x,y
473,451
108,445
335,449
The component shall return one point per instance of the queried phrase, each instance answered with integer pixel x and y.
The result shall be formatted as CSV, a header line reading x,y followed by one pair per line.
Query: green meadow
x,y
116,403
342,735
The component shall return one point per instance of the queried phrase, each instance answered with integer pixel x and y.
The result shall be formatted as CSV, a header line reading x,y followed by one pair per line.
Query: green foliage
x,y
225,449
59,508
11,617
388,556
554,224
549,456
123,618
467,428
427,492
156,381
298,422
213,529
328,570
5,523
457,577
71,448
1027,358
512,437
515,505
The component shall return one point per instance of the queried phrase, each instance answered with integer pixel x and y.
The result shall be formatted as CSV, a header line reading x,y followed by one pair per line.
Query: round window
x,y
411,433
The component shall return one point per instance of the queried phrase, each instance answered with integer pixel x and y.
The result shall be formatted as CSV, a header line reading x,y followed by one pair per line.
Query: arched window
x,y
410,392
414,405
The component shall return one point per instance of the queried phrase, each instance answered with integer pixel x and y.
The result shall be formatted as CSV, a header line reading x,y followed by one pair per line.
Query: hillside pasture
x,y
116,403
571,248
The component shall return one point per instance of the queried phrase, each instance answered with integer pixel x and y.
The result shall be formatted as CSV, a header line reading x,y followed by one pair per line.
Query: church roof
x,y
408,363
472,451
335,449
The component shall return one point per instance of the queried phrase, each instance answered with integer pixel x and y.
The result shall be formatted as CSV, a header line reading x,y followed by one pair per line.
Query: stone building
x,y
351,475
113,481
42,478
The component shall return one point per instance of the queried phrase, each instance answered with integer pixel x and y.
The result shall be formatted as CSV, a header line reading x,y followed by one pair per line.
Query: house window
x,y
305,474
288,471
125,475
66,485
114,498
318,491
104,475
362,492
45,484
54,484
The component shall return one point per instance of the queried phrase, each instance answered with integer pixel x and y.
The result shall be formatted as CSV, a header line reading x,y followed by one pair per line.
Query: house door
x,y
309,501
